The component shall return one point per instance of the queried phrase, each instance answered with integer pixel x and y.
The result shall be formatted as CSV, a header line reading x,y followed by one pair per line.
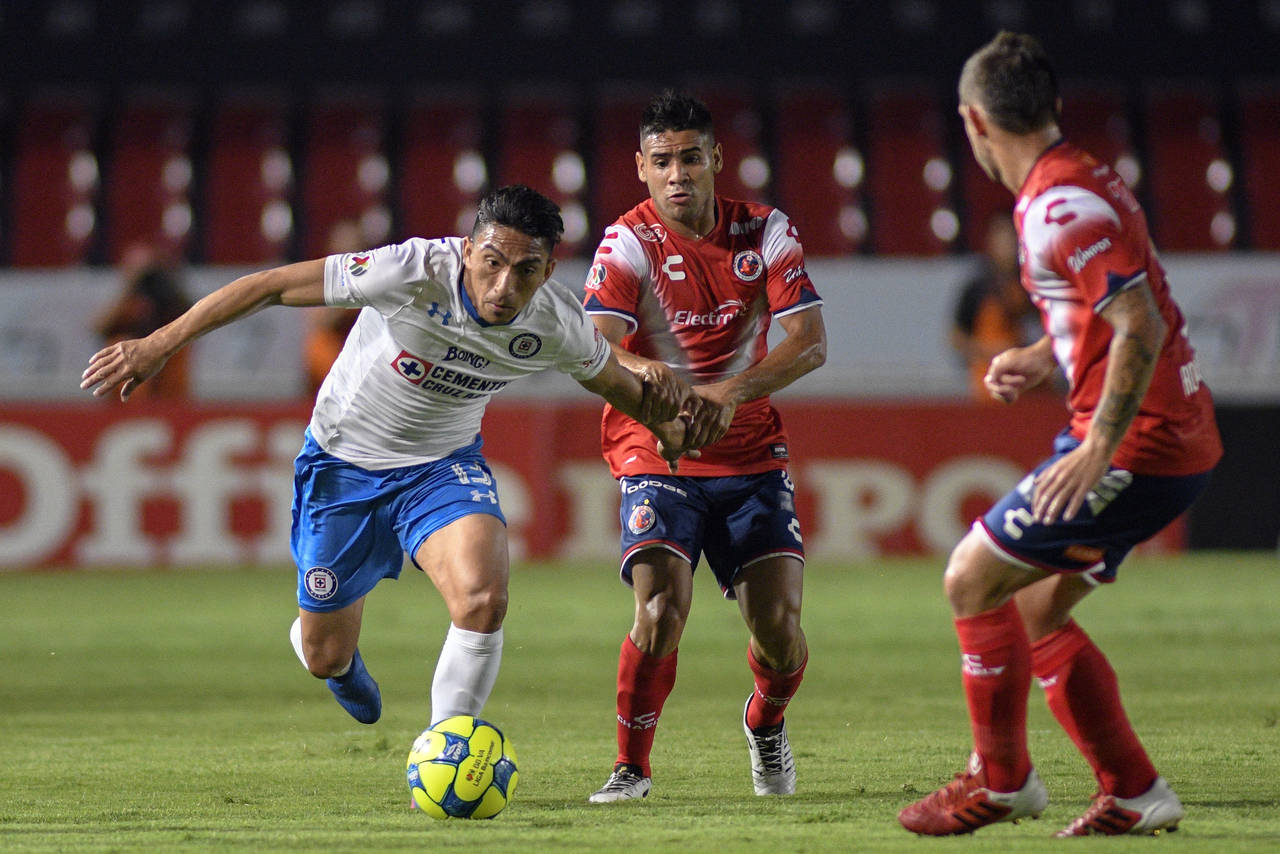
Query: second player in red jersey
x,y
684,287
1138,450
703,307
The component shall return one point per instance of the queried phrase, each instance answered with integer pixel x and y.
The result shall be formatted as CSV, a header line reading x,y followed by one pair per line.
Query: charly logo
x,y
748,265
524,345
642,518
320,582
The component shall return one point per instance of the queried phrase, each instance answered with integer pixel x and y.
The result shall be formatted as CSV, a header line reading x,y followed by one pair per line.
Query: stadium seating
x,y
442,169
1260,152
56,181
820,169
909,172
739,127
615,139
149,175
248,212
539,140
1190,176
345,174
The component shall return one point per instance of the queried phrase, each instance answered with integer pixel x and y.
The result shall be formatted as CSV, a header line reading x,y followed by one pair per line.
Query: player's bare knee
x,y
480,610
967,589
326,659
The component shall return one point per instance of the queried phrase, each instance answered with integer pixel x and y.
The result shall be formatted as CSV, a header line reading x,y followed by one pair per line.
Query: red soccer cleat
x,y
966,804
1155,810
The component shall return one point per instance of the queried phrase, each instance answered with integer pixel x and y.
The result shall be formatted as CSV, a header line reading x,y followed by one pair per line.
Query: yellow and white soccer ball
x,y
462,767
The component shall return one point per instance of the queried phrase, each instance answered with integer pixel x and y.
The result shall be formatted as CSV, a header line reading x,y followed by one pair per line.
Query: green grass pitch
x,y
150,711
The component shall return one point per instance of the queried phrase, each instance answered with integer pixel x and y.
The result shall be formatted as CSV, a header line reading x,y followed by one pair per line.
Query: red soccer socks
x,y
996,666
773,692
644,683
1083,695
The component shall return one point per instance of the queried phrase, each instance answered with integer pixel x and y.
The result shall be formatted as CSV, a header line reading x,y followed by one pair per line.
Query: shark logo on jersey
x,y
411,367
525,345
358,265
642,518
748,265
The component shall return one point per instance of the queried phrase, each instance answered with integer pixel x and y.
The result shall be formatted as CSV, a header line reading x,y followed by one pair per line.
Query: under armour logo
x,y
435,311
490,495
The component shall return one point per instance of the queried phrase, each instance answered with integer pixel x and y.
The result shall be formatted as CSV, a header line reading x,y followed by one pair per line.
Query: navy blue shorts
x,y
1125,509
352,527
736,521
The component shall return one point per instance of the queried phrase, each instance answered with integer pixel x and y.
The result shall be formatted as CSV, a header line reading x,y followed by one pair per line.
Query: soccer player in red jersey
x,y
685,285
1137,452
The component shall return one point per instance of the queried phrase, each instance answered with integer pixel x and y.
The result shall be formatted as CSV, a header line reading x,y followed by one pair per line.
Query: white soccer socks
x,y
465,673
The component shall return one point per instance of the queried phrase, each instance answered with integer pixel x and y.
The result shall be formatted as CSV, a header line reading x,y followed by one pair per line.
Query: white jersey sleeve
x,y
583,351
384,278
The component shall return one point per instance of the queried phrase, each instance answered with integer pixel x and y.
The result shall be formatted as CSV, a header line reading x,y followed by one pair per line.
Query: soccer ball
x,y
462,767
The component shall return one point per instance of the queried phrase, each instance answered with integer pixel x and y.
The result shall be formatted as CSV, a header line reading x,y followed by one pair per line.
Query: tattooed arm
x,y
1138,331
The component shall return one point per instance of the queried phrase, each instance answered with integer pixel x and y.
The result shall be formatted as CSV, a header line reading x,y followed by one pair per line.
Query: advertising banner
x,y
107,485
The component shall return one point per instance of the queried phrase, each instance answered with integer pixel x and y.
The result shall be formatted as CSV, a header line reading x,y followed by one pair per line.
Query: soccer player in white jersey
x,y
1138,450
391,461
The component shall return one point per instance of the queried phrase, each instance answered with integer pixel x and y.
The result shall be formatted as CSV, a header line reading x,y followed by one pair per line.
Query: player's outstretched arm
x,y
626,392
664,390
1137,336
802,350
127,364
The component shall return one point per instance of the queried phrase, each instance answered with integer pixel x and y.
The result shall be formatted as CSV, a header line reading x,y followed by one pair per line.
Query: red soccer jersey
x,y
703,307
1083,240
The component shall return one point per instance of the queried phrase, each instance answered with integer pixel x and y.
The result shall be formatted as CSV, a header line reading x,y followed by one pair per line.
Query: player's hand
x,y
1016,370
672,442
1062,488
124,365
711,412
664,393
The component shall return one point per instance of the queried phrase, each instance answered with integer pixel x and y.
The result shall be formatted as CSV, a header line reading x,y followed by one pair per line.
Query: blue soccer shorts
x,y
737,520
1122,511
352,527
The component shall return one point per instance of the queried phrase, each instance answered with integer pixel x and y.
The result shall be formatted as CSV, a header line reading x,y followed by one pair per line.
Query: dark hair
x,y
1012,79
671,110
524,209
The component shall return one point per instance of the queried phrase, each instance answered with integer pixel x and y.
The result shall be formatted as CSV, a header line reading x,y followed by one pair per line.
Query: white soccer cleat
x,y
624,784
773,768
1154,811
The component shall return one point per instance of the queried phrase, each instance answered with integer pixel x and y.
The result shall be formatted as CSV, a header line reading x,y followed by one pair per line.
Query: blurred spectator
x,y
993,312
327,327
151,296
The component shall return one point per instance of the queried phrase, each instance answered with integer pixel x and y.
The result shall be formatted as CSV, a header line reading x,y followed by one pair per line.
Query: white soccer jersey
x,y
413,378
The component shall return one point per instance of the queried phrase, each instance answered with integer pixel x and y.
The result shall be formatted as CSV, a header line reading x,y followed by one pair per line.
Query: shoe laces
x,y
1103,815
956,792
621,779
773,751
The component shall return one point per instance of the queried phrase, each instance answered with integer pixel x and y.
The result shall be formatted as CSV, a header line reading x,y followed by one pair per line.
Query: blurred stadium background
x,y
234,135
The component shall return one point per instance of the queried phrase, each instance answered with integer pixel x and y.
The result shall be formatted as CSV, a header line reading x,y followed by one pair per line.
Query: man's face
x,y
502,269
679,168
979,141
